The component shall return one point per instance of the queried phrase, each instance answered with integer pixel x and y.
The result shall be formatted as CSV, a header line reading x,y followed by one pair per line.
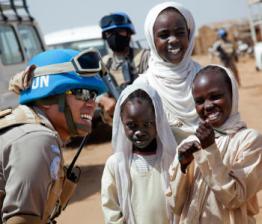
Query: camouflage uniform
x,y
225,50
137,59
31,167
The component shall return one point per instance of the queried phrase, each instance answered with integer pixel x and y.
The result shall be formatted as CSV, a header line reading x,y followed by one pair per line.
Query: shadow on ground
x,y
90,179
89,183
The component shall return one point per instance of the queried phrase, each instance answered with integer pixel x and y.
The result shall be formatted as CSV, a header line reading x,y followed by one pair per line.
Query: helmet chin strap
x,y
83,127
64,107
72,126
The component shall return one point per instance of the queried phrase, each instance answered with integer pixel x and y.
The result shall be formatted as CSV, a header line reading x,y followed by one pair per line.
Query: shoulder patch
x,y
55,149
54,167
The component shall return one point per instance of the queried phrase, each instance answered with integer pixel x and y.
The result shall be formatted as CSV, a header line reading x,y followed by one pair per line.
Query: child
x,y
222,162
136,175
170,33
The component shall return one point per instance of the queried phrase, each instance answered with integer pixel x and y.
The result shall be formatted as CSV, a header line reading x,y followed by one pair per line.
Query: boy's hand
x,y
205,134
185,154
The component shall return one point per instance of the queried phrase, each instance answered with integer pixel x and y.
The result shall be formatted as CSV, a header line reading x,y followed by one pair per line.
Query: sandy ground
x,y
84,207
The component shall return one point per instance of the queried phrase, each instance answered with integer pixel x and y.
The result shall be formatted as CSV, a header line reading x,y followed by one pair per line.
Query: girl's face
x,y
171,36
139,123
213,97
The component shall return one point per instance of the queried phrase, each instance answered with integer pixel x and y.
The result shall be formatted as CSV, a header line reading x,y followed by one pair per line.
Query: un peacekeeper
x,y
226,52
124,62
58,104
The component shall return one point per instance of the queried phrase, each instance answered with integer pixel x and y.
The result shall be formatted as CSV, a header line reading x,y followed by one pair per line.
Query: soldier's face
x,y
82,113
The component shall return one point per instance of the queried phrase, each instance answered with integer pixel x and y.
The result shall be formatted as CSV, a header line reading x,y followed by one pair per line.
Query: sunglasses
x,y
113,20
86,63
83,94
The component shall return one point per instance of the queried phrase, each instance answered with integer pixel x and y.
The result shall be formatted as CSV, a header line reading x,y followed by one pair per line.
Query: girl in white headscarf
x,y
170,33
217,173
135,177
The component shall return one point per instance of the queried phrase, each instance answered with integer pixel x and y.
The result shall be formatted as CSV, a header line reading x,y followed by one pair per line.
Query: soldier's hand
x,y
185,154
107,104
205,134
22,80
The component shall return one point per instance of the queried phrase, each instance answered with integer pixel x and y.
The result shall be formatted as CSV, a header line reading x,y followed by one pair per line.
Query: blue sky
x,y
55,15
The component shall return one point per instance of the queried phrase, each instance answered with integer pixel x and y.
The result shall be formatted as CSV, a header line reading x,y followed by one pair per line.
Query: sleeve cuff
x,y
211,165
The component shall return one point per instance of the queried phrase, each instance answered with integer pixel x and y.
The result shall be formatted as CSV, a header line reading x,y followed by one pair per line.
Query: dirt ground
x,y
85,208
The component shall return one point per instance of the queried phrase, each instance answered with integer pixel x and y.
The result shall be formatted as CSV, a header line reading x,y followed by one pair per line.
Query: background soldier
x,y
59,104
123,62
226,52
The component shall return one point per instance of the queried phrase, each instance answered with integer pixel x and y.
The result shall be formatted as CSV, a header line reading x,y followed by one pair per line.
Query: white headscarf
x,y
122,146
173,81
233,123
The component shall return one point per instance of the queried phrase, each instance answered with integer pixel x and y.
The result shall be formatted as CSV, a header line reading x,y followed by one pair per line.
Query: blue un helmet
x,y
61,71
116,20
222,33
55,79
